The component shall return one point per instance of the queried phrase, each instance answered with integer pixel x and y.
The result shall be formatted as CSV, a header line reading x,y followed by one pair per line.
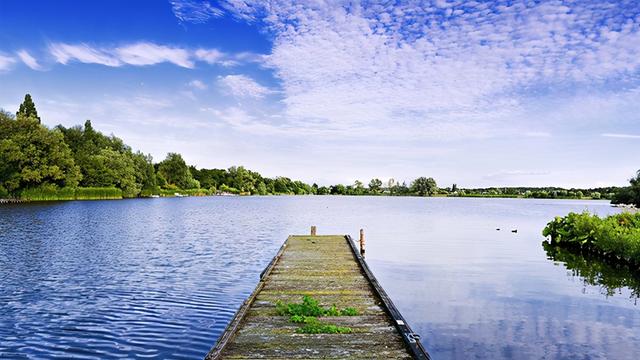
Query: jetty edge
x,y
331,269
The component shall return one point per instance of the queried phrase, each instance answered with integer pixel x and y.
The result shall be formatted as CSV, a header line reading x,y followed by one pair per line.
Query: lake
x,y
161,278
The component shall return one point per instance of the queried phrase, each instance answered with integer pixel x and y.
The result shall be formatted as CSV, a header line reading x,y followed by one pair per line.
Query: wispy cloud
x,y
197,84
142,54
65,53
515,173
621,136
29,60
150,54
243,86
6,62
194,11
541,134
422,66
217,57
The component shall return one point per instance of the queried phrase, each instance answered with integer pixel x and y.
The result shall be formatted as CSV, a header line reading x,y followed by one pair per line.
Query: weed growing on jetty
x,y
307,313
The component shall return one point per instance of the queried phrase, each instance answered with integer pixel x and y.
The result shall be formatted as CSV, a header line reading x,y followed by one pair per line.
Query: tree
x,y
174,171
375,186
112,168
28,109
31,155
338,189
261,188
424,186
630,194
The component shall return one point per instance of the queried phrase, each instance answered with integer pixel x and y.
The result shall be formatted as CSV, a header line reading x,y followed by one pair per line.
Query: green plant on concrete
x,y
307,313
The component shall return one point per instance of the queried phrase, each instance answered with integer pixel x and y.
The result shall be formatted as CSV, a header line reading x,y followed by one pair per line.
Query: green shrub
x,y
616,236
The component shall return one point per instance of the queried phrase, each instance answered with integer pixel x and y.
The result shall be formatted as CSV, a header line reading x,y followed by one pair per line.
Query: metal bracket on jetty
x,y
331,269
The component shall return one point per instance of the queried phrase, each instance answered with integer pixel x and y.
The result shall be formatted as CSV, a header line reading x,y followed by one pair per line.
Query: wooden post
x,y
362,242
313,231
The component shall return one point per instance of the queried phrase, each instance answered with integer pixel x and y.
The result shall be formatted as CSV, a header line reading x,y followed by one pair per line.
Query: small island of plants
x,y
615,237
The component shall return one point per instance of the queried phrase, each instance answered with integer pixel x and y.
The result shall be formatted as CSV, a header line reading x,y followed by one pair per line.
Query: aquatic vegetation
x,y
616,237
307,313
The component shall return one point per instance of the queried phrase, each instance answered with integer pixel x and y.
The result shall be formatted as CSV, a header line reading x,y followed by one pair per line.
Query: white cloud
x,y
197,84
6,62
515,173
150,54
423,67
142,54
215,56
134,54
211,56
621,136
28,60
65,53
541,134
244,86
194,11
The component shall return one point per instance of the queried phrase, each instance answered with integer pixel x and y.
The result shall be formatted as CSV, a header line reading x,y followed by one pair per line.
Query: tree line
x,y
35,159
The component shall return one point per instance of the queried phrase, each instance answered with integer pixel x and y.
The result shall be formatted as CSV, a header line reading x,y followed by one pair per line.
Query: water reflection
x,y
161,278
611,278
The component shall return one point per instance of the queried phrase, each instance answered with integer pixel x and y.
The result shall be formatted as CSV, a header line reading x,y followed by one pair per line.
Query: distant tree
x,y
261,189
338,189
280,186
424,186
28,109
454,187
375,186
631,194
176,172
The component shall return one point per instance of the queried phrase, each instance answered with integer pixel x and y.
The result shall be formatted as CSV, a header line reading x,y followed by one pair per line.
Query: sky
x,y
477,93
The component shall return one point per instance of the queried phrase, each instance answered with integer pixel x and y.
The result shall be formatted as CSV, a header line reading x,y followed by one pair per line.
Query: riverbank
x,y
615,237
111,193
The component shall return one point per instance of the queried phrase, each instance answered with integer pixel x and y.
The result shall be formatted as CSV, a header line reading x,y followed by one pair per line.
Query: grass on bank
x,y
307,313
44,193
616,236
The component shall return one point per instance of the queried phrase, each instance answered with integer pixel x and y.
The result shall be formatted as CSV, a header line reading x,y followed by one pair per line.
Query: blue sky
x,y
475,93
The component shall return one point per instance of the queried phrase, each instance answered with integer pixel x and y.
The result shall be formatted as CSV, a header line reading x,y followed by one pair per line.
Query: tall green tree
x,y
112,168
174,171
32,155
28,109
424,186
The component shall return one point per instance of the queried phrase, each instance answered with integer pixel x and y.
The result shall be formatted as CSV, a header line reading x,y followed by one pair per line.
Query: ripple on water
x,y
161,278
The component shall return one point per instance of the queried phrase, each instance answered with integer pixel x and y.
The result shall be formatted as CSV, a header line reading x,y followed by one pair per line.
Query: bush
x,y
615,236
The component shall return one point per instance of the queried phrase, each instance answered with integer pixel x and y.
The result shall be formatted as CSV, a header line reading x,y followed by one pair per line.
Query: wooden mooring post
x,y
362,242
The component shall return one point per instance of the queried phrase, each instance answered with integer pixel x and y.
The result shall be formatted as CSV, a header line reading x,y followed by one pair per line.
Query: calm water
x,y
160,278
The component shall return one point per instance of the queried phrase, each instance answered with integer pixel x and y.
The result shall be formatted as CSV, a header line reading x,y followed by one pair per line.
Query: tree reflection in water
x,y
610,277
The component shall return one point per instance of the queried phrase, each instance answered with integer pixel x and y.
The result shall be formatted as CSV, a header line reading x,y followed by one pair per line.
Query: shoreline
x,y
183,195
